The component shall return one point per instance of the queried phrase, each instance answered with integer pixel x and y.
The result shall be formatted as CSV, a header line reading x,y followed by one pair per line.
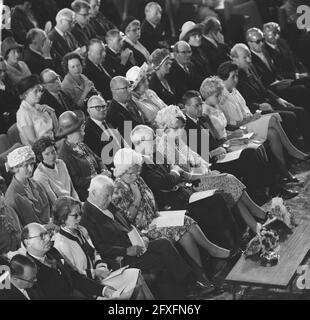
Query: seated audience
x,y
16,68
167,184
95,70
62,39
51,172
118,60
75,84
56,278
258,97
191,33
146,99
27,197
161,63
251,167
213,45
97,20
109,230
9,99
132,29
53,95
38,53
183,74
34,120
98,132
153,35
10,229
73,242
82,31
82,163
136,202
122,109
265,127
23,279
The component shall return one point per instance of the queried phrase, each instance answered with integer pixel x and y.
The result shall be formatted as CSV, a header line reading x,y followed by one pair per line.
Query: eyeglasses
x,y
124,88
99,107
185,52
76,215
258,41
29,281
42,236
37,89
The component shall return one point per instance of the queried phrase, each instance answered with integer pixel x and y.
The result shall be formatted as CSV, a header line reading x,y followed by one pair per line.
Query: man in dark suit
x,y
258,97
109,230
265,67
122,108
57,279
82,30
117,61
213,43
183,75
99,133
23,278
62,39
153,35
38,53
94,68
53,96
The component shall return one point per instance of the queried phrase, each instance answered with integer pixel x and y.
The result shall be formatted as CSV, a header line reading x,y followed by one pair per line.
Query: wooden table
x,y
293,251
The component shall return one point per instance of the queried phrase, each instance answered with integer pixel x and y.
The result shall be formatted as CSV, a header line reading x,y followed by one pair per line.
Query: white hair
x,y
64,13
139,133
234,52
100,182
92,98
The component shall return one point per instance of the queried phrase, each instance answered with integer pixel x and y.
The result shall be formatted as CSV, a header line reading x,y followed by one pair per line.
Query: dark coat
x,y
14,294
113,64
183,81
36,63
215,55
201,62
164,94
151,37
101,24
79,168
100,79
65,105
63,282
60,47
117,115
139,57
83,36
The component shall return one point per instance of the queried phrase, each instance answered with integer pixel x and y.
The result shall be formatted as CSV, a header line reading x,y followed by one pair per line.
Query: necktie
x,y
69,42
62,101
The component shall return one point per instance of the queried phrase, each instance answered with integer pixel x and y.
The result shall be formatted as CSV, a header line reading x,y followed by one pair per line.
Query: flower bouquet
x,y
264,247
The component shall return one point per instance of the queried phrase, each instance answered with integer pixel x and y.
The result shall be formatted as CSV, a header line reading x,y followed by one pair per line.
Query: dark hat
x,y
127,22
69,122
27,83
9,44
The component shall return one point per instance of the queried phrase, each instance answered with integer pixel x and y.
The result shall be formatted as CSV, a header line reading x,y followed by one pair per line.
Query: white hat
x,y
188,27
136,74
19,156
125,159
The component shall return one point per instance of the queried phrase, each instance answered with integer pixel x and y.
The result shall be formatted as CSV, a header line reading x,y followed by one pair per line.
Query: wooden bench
x,y
293,252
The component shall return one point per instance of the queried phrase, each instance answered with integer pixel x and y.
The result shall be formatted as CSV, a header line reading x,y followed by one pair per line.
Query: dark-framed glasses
x,y
32,281
43,235
258,41
99,107
76,215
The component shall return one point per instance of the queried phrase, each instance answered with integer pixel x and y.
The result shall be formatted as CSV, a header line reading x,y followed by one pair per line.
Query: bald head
x,y
241,55
182,52
120,89
51,81
97,108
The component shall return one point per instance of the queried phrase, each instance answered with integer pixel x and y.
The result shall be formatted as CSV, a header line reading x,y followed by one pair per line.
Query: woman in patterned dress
x,y
137,203
169,142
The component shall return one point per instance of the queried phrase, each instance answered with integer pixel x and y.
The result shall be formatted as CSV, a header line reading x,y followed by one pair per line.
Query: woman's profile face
x,y
74,218
49,156
14,56
33,96
134,32
165,67
132,174
26,170
214,99
75,67
195,40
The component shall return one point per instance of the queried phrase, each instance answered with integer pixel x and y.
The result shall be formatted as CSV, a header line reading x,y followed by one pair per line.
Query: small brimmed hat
x,y
136,74
125,159
9,44
28,83
69,122
188,27
158,57
19,156
129,20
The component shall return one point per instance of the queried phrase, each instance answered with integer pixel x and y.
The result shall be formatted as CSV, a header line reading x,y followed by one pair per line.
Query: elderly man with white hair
x,y
56,277
62,39
114,238
98,132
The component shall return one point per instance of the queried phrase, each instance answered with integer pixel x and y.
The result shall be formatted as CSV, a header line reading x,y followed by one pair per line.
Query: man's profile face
x,y
28,279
